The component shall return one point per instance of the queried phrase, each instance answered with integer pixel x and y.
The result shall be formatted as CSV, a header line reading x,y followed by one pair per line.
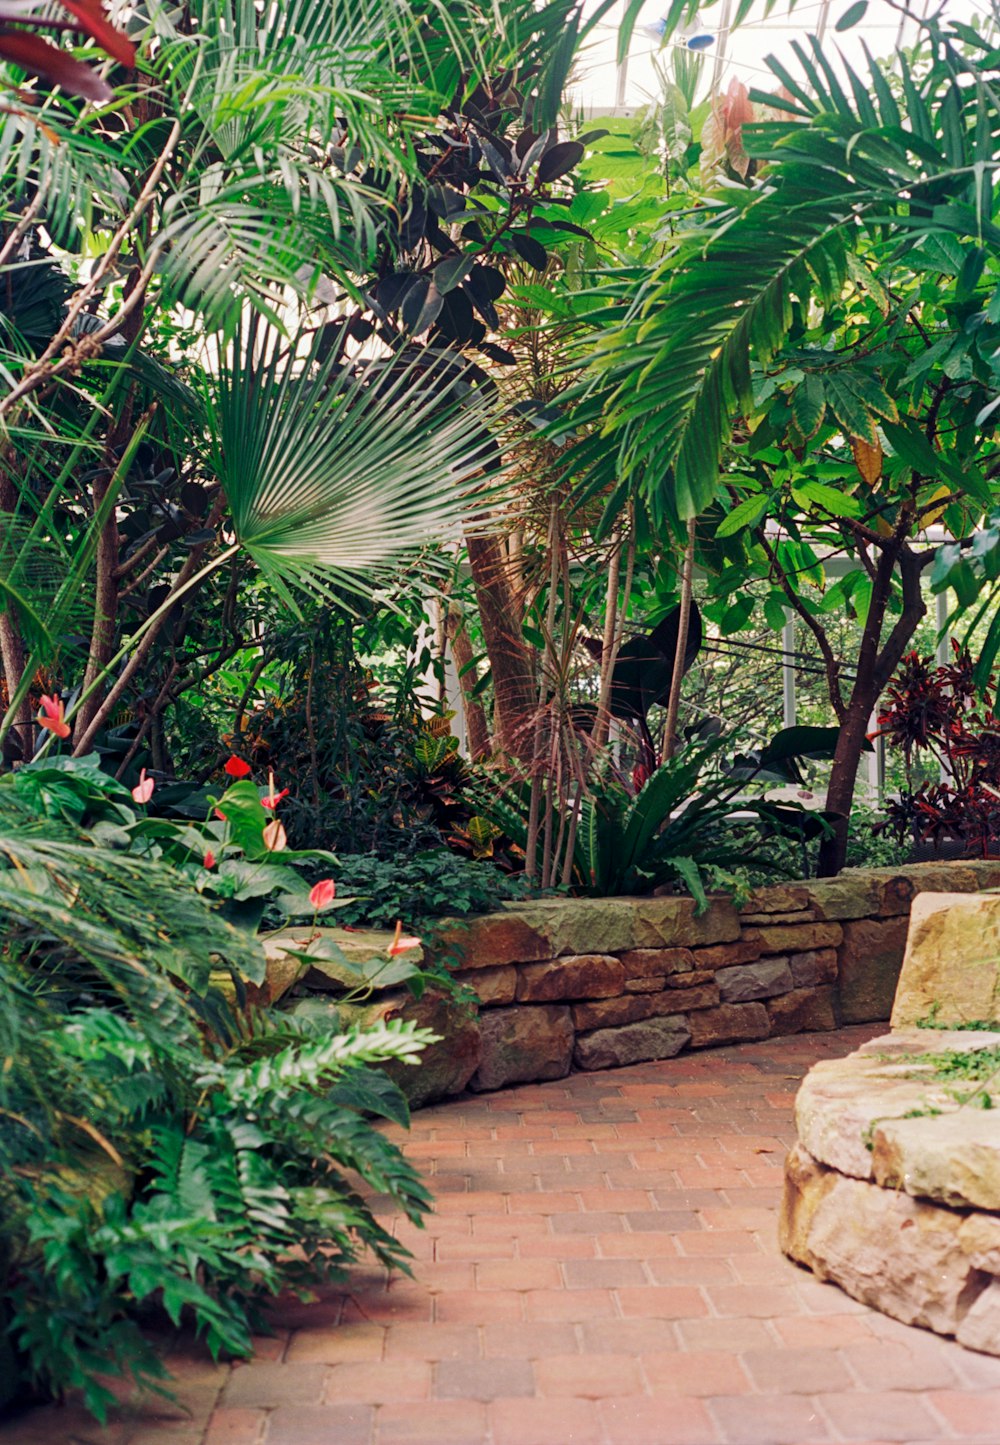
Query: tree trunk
x,y
509,654
875,669
106,591
844,777
461,650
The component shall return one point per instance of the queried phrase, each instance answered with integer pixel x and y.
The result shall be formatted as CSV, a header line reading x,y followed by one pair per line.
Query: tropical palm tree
x,y
255,161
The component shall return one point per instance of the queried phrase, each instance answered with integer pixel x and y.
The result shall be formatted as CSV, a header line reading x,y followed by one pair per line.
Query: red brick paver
x,y
601,1269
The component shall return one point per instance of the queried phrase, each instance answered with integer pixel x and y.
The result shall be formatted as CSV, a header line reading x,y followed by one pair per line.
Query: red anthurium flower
x,y
322,894
209,859
143,790
275,838
53,716
401,943
220,815
273,799
237,768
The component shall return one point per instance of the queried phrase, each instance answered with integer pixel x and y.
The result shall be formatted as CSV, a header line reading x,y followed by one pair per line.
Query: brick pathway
x,y
601,1269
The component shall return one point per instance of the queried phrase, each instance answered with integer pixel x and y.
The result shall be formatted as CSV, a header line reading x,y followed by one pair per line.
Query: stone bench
x,y
893,1189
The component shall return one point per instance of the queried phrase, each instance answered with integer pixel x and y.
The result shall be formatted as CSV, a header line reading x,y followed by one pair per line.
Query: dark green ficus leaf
x,y
530,250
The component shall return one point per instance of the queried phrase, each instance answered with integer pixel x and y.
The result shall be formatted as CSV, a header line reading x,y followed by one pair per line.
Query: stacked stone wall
x,y
597,983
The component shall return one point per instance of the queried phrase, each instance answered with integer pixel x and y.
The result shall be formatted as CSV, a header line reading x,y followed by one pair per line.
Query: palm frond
x,y
335,472
672,378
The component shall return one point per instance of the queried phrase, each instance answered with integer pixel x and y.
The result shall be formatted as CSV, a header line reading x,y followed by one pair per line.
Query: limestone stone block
x,y
585,975
656,962
870,959
489,940
494,986
780,898
445,1067
854,893
524,1044
900,886
673,922
795,937
769,920
762,979
724,955
979,1327
803,1010
656,1038
693,979
985,870
842,1102
952,959
630,1008
898,1254
980,1238
816,965
952,1157
335,954
282,972
704,995
591,925
730,1023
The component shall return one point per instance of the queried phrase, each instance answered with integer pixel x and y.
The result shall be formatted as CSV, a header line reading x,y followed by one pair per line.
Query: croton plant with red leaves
x,y
938,711
22,44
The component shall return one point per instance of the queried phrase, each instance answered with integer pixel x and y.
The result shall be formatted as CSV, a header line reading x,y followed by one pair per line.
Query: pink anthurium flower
x,y
275,837
53,716
401,942
143,790
322,894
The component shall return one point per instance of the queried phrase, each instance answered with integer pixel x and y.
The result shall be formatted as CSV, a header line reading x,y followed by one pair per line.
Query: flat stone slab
x,y
867,1117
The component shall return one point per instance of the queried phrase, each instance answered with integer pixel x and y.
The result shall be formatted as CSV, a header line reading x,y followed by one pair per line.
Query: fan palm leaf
x,y
333,473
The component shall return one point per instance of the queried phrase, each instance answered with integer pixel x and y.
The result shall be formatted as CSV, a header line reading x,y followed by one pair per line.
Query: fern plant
x,y
157,1147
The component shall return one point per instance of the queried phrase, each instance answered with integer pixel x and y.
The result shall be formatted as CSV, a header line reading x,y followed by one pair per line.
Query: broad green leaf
x,y
809,405
745,515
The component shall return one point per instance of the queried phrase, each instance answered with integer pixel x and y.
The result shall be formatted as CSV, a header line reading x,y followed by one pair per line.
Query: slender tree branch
x,y
822,641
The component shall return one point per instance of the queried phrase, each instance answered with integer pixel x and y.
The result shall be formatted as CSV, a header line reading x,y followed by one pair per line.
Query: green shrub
x,y
434,884
160,1146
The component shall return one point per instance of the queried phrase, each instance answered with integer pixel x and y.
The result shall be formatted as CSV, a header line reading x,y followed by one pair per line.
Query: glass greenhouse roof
x,y
602,86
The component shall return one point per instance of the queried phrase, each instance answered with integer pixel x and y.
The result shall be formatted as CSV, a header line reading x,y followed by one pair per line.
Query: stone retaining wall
x,y
596,983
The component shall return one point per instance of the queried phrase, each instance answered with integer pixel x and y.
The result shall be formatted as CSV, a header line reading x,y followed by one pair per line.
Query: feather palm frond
x,y
667,383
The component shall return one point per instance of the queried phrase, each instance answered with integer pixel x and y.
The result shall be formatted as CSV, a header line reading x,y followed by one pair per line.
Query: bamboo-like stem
x,y
614,632
538,739
602,721
683,623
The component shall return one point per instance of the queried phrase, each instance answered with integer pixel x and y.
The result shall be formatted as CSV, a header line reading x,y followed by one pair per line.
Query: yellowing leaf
x,y
927,519
867,459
